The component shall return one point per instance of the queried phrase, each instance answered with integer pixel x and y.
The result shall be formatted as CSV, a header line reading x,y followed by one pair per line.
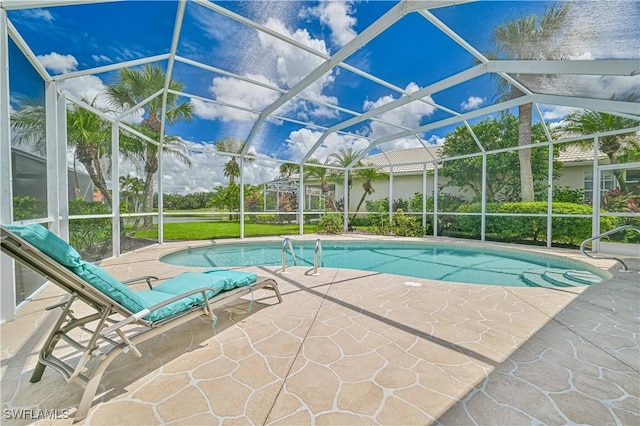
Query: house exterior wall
x,y
405,185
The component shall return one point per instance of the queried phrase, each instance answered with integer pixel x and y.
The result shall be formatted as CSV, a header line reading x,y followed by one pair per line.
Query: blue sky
x,y
411,54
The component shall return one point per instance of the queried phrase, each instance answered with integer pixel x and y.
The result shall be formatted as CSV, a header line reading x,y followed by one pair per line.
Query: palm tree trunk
x,y
364,195
148,199
524,155
97,181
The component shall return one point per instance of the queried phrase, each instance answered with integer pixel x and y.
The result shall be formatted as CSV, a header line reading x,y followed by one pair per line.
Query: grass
x,y
221,229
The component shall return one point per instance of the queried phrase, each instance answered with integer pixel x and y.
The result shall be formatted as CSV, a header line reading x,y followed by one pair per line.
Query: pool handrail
x,y
287,243
317,249
605,234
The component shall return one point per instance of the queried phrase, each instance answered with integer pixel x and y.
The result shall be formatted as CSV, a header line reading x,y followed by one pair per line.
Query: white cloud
x,y
37,14
336,16
408,116
300,142
236,92
101,58
555,112
435,140
293,64
472,103
58,63
207,171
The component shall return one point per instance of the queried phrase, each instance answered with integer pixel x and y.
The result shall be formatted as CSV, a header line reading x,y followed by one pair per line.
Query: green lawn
x,y
221,229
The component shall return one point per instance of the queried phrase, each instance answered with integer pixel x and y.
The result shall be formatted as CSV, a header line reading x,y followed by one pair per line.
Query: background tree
x,y
230,145
321,174
617,147
288,169
368,176
87,134
343,158
503,182
528,38
131,87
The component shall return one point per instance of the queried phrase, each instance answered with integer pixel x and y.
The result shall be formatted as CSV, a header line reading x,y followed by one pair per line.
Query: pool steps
x,y
558,278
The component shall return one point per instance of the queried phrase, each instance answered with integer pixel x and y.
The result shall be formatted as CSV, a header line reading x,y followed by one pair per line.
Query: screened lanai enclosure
x,y
512,121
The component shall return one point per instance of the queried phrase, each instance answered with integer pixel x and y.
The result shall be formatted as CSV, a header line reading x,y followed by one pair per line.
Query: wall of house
x,y
573,175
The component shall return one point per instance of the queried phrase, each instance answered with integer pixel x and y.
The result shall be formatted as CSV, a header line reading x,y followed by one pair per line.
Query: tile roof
x,y
412,159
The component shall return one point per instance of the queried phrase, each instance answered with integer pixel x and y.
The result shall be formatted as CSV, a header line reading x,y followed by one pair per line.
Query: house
x,y
409,165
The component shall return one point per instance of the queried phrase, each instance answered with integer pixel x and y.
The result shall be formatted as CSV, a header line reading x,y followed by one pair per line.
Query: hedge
x,y
565,230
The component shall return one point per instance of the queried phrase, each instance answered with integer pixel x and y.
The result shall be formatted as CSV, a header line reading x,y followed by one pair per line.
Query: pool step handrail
x,y
317,251
605,234
287,244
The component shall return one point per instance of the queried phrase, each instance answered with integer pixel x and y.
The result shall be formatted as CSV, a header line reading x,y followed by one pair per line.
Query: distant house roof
x,y
411,160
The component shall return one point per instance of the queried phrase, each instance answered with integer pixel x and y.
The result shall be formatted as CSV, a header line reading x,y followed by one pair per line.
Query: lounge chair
x,y
115,306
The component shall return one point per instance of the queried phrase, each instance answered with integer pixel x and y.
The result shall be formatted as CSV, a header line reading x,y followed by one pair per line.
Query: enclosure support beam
x,y
435,199
115,188
483,219
390,194
550,195
424,199
346,200
7,265
52,165
241,197
595,197
63,176
301,201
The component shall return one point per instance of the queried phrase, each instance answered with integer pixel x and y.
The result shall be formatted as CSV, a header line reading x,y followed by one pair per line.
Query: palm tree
x,y
87,133
230,145
322,174
132,187
288,169
585,122
343,158
527,38
131,87
367,176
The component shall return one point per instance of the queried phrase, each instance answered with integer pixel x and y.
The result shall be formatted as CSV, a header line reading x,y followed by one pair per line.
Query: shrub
x,y
331,224
566,194
91,237
406,226
565,230
29,208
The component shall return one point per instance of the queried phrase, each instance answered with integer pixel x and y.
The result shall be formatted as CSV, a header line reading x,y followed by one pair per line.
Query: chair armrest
x,y
147,278
143,313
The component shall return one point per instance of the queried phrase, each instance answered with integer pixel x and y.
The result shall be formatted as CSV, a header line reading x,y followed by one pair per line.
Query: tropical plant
x,y
132,188
230,145
131,87
288,169
322,174
88,134
503,184
343,158
625,146
528,38
368,176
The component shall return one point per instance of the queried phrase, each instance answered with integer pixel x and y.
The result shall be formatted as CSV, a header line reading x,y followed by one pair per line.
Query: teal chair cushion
x,y
234,279
153,297
110,286
48,243
189,281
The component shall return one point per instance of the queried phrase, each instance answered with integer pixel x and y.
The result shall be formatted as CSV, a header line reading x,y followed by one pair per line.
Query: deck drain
x,y
413,284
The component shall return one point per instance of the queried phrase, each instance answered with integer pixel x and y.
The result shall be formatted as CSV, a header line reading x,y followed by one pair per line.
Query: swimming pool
x,y
445,262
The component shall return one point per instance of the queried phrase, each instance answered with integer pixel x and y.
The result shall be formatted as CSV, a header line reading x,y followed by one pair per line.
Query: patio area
x,y
354,347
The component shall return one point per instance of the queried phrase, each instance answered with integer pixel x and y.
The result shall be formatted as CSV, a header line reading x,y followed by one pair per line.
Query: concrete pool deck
x,y
356,347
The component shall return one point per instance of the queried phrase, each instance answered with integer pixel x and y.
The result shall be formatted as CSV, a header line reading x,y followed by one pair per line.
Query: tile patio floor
x,y
354,347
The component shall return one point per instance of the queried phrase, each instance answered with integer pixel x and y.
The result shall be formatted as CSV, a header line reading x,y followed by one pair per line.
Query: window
x,y
607,183
632,178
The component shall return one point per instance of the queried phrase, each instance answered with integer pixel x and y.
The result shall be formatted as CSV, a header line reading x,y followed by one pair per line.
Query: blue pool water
x,y
444,262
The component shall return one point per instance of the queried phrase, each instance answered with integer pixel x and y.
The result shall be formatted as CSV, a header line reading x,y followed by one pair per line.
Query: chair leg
x,y
277,291
51,342
92,386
